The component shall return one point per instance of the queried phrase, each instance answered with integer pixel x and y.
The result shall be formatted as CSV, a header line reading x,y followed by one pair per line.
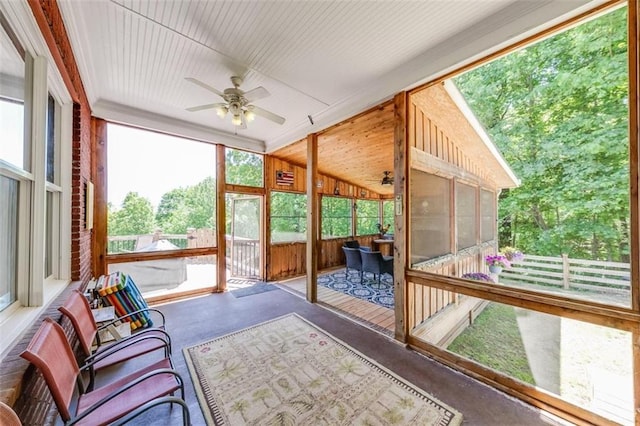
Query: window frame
x,y
302,218
359,217
461,186
227,150
174,141
448,182
492,216
323,216
34,290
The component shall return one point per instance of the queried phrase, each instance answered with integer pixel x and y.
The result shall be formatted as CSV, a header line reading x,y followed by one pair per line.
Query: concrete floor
x,y
201,319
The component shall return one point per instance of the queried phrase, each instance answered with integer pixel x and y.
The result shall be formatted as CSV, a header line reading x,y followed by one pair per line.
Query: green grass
x,y
494,340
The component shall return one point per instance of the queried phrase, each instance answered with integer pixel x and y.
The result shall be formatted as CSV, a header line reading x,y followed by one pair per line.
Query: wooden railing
x,y
569,274
243,256
194,238
130,243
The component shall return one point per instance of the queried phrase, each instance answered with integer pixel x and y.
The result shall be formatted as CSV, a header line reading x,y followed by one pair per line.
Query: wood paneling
x,y
356,151
287,260
299,174
442,129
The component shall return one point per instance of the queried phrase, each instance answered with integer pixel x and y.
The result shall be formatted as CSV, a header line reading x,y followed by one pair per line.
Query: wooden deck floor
x,y
373,316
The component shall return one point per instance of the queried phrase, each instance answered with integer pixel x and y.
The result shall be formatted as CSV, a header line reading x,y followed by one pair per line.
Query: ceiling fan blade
x,y
207,106
205,86
267,114
255,94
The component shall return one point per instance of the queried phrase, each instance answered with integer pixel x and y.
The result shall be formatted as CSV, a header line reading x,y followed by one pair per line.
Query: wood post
x,y
99,175
401,192
221,220
312,218
633,15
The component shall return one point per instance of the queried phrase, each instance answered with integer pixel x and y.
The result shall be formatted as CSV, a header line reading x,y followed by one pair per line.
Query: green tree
x,y
200,203
558,112
336,217
288,216
171,215
190,207
134,218
243,168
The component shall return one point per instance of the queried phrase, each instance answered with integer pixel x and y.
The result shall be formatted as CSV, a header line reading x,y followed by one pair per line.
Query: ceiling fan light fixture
x,y
387,178
237,103
221,111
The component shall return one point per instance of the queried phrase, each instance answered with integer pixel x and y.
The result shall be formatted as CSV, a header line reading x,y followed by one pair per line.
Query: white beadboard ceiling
x,y
326,59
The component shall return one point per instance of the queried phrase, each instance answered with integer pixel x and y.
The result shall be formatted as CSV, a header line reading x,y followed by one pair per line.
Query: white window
x,y
35,178
430,216
13,159
487,215
466,216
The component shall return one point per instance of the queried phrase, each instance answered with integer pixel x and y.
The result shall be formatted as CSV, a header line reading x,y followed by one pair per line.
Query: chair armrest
x,y
126,387
138,334
122,344
186,416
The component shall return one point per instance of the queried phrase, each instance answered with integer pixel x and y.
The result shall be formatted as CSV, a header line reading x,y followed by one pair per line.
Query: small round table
x,y
384,245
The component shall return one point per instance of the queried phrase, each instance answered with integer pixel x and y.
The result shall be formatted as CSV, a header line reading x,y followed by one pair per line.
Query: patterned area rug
x,y
369,290
287,371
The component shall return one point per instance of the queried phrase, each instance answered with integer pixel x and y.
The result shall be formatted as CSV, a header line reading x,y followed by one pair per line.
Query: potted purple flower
x,y
478,276
497,262
512,254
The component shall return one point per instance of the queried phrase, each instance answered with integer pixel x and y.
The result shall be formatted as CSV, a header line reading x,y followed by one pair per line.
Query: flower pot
x,y
495,269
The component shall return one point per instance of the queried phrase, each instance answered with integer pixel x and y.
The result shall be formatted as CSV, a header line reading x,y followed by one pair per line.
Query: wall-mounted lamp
x,y
336,190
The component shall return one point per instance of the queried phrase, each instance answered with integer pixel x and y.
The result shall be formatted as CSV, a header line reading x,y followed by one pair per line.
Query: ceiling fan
x,y
387,179
237,102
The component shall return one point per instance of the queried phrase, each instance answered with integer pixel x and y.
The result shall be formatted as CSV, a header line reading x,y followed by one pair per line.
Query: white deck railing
x,y
569,274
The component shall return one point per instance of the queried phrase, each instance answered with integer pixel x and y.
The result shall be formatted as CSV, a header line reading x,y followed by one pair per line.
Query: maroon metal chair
x,y
8,417
77,309
117,402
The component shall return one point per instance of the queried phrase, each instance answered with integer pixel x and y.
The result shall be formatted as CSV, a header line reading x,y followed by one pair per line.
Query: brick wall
x,y
81,170
21,386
